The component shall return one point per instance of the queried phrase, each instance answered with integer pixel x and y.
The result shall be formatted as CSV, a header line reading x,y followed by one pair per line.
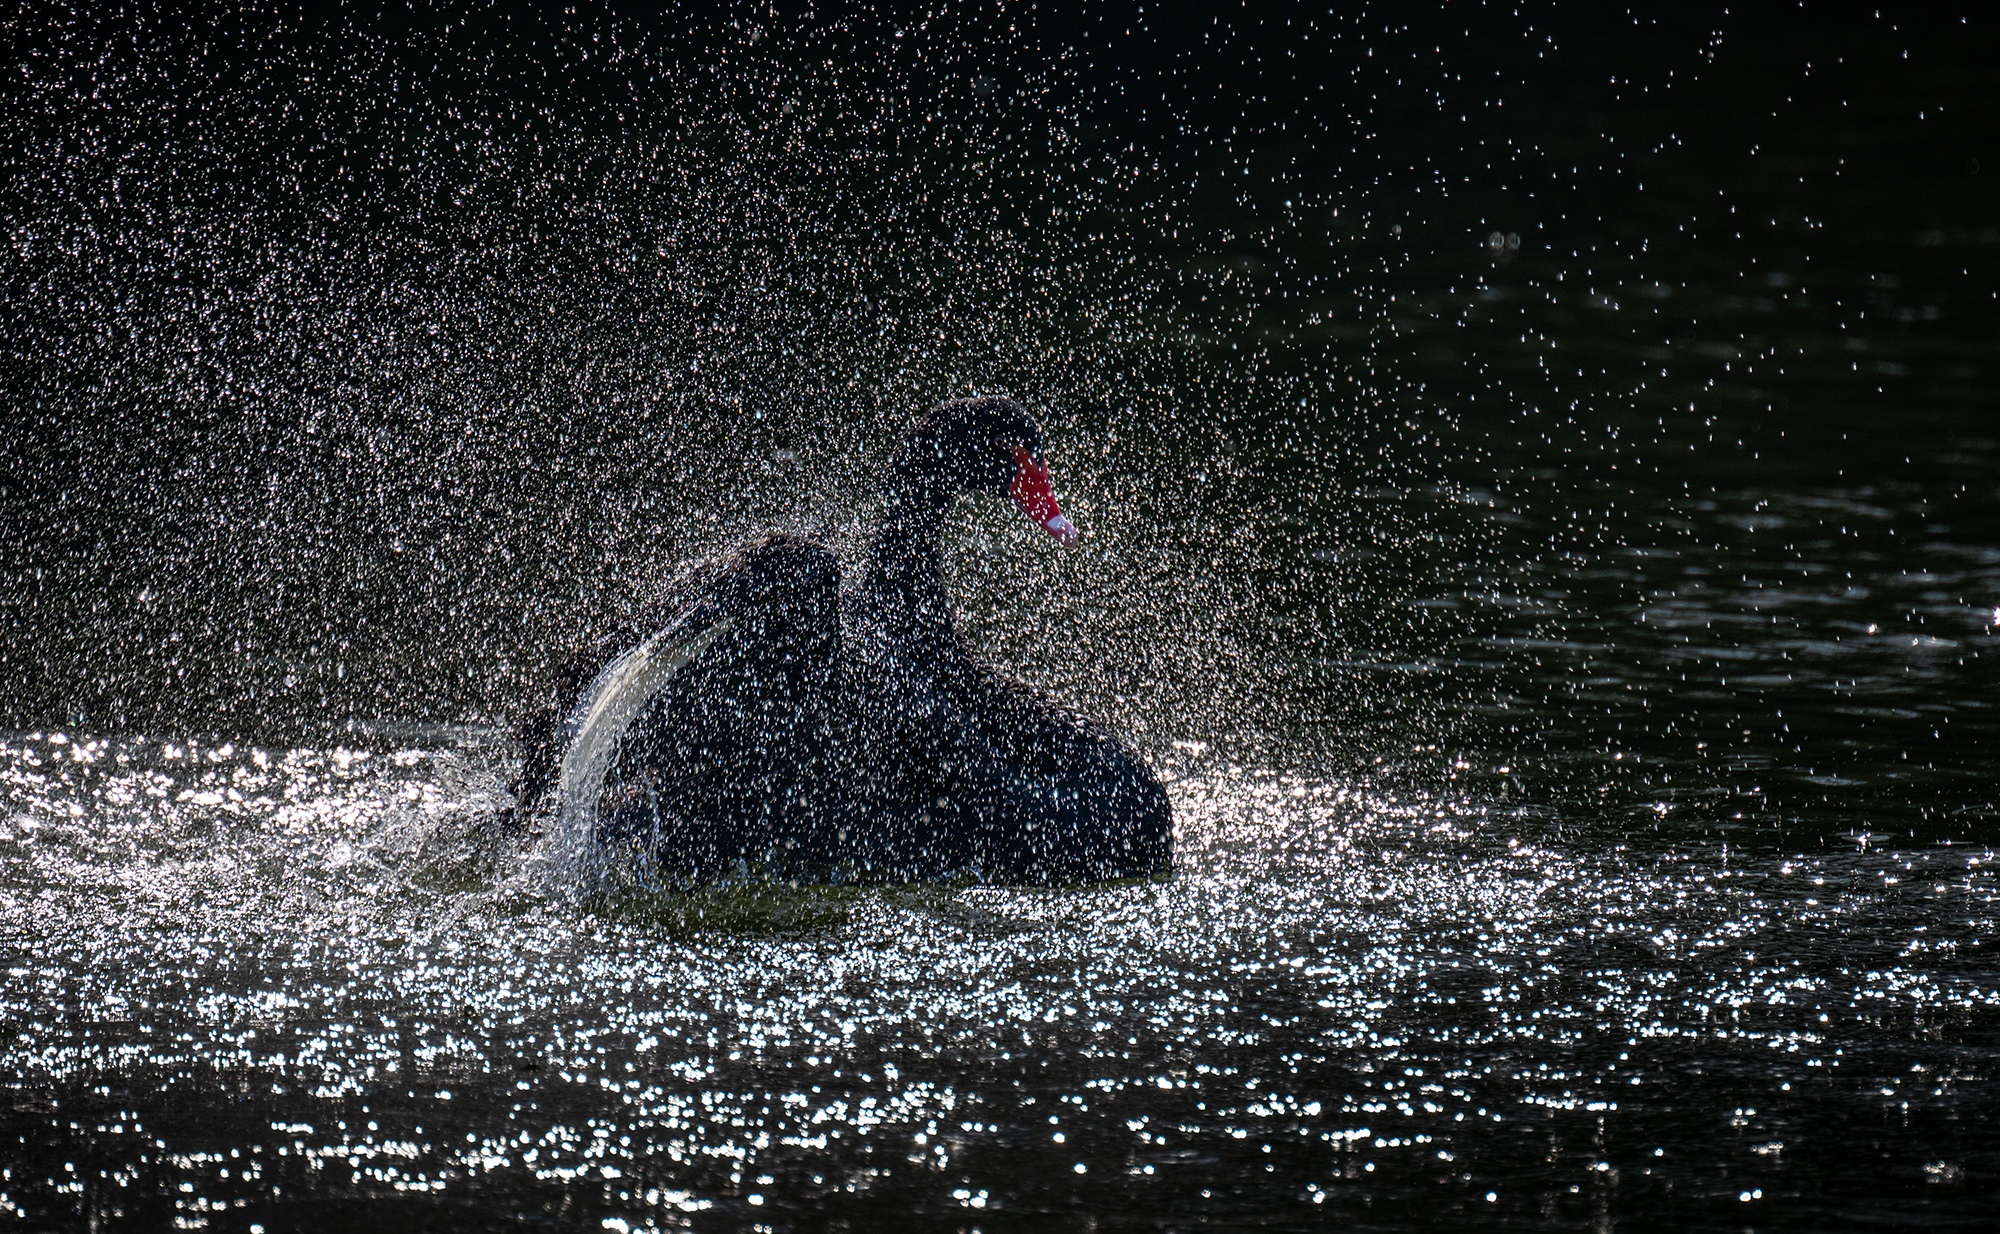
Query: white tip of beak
x,y
1061,528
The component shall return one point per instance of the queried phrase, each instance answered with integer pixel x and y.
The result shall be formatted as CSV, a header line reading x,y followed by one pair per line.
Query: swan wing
x,y
607,708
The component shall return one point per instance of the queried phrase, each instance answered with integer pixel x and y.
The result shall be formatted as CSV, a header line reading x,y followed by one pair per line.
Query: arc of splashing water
x,y
598,721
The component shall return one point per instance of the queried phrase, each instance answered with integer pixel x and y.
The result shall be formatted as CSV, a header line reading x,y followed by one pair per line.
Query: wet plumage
x,y
802,726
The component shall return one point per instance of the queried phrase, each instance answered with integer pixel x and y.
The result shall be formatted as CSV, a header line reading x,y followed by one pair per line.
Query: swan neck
x,y
905,573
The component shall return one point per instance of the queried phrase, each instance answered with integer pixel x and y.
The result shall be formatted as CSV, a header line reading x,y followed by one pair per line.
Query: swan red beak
x,y
1032,492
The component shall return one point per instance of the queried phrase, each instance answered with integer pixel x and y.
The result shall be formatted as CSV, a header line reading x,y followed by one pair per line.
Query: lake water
x,y
1540,489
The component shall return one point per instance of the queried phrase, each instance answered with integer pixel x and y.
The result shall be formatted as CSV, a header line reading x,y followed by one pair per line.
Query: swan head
x,y
988,445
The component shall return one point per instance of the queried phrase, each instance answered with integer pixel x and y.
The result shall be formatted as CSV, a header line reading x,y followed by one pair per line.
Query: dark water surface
x,y
1543,496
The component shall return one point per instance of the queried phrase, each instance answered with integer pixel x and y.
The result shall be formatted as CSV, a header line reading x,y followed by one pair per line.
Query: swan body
x,y
768,718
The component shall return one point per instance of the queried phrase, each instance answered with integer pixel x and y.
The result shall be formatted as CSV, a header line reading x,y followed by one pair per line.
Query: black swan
x,y
765,718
